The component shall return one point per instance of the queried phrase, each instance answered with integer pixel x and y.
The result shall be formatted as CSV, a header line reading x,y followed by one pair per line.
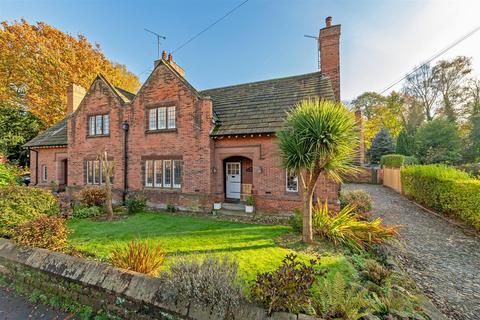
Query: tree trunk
x,y
307,234
108,199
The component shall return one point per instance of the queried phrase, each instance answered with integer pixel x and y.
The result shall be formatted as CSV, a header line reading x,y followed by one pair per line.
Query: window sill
x,y
161,130
98,136
161,189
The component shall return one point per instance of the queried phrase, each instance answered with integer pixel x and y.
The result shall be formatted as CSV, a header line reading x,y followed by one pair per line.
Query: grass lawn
x,y
253,246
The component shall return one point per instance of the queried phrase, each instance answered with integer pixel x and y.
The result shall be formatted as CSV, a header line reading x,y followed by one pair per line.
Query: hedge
x,y
397,160
445,190
21,204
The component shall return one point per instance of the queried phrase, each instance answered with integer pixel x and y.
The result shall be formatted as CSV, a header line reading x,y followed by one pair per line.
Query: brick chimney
x,y
75,94
171,62
329,45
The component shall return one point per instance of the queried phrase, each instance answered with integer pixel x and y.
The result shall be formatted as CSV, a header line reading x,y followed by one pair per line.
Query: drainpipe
x,y
36,165
125,128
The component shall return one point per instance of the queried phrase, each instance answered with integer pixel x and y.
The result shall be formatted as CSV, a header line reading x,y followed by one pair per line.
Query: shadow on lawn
x,y
180,253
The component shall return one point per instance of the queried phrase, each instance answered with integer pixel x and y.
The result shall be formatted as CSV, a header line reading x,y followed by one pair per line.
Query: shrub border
x,y
130,295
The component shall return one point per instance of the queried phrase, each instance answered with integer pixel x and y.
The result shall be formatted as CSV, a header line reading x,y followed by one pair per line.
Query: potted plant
x,y
249,204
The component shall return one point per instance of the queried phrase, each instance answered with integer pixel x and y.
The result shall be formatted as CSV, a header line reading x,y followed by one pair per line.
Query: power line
x,y
435,56
210,26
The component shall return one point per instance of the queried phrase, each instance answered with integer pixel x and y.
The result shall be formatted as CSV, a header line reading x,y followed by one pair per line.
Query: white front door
x,y
233,179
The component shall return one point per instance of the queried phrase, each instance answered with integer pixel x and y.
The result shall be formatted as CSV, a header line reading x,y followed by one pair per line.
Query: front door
x,y
233,180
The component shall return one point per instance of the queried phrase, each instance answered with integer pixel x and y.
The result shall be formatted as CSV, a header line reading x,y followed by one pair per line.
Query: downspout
x,y
125,128
36,165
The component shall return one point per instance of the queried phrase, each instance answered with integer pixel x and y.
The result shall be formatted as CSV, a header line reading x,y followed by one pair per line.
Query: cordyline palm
x,y
319,136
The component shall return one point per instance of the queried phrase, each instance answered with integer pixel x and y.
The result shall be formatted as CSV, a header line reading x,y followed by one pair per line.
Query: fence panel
x,y
391,179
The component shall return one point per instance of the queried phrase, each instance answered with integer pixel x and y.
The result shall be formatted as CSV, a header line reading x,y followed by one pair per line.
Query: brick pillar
x,y
329,45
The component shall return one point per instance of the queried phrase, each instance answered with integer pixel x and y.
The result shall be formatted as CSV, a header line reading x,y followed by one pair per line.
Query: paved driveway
x,y
14,307
441,257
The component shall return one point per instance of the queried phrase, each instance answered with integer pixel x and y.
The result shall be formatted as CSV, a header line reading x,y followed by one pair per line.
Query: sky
x,y
381,40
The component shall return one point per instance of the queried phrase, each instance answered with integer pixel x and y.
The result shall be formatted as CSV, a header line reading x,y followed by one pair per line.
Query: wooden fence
x,y
391,179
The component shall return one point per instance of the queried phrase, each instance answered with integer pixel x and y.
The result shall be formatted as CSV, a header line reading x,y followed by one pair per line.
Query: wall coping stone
x,y
132,285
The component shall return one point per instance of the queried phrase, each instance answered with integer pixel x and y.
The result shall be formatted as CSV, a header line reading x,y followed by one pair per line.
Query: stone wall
x,y
129,295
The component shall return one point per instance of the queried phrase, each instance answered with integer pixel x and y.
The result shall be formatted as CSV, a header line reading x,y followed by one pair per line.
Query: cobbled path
x,y
442,258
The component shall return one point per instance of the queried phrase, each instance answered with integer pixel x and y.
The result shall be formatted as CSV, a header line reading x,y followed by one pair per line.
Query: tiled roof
x,y
53,136
256,107
260,107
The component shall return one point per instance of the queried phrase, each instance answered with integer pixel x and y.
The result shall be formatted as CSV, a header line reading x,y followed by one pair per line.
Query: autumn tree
x,y
38,62
450,82
421,86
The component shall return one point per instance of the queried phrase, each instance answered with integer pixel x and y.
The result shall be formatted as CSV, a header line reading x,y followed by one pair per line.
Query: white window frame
x,y
162,118
106,124
157,169
99,125
286,182
152,119
148,166
171,117
167,164
44,173
177,164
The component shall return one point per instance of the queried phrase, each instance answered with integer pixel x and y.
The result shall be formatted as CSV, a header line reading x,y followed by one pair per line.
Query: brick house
x,y
182,146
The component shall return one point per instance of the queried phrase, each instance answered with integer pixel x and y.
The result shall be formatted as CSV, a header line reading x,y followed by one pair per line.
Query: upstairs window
x,y
99,125
162,118
291,182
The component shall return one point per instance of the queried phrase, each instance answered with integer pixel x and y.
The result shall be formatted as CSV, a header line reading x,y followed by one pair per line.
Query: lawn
x,y
253,246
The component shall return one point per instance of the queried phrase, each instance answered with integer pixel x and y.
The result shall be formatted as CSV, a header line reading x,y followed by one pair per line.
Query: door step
x,y
233,206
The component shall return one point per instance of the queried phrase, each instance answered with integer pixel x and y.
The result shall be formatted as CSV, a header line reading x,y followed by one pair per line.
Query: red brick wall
x,y
202,156
269,185
52,158
100,99
329,44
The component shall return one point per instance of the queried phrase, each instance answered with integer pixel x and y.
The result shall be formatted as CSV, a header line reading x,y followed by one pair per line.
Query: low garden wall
x,y
365,175
127,294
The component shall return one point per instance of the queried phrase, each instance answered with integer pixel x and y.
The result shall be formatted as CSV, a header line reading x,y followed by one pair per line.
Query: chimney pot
x,y
164,55
170,57
328,21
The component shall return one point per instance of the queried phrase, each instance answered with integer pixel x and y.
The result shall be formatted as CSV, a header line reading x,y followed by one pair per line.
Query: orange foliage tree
x,y
38,62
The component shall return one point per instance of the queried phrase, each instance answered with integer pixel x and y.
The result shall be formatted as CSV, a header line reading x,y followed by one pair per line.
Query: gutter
x,y
36,165
125,128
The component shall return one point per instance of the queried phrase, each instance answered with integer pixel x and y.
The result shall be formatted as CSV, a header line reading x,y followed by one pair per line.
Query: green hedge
x,y
21,204
444,189
397,160
7,175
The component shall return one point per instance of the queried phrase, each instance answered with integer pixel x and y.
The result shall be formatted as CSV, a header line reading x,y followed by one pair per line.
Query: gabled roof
x,y
260,107
57,134
53,136
256,107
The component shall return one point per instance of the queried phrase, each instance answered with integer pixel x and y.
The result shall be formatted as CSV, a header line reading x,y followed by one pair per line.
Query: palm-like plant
x,y
319,136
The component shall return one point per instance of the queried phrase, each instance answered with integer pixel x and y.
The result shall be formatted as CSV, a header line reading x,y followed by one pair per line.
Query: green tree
x,y
382,144
472,152
438,141
318,138
405,143
17,126
421,86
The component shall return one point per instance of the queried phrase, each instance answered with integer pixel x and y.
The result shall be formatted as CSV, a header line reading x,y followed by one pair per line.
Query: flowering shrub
x,y
43,232
21,204
93,196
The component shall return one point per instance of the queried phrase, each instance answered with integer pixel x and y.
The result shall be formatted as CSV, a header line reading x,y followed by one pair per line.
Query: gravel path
x,y
441,257
14,307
